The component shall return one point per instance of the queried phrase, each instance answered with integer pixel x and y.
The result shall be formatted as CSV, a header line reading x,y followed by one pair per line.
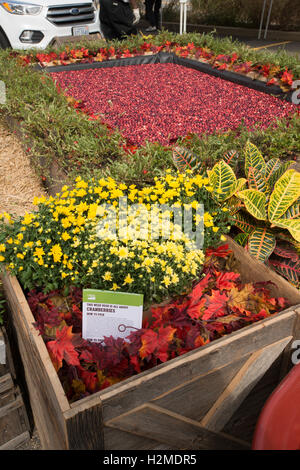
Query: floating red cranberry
x,y
161,102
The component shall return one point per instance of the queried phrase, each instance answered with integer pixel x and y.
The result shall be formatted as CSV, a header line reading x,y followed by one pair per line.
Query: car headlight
x,y
19,8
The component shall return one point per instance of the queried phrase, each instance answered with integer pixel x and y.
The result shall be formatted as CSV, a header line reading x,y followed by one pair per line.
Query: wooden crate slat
x,y
252,270
241,385
196,396
173,429
148,385
2,349
115,439
13,420
9,356
47,397
7,393
16,442
85,426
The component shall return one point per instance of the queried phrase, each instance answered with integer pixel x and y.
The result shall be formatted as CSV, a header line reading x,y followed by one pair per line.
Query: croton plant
x,y
264,204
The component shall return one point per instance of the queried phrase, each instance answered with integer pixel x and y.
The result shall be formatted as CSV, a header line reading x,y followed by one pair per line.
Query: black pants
x,y
116,18
152,12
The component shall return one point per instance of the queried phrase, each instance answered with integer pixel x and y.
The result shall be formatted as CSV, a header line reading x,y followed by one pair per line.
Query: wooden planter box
x,y
196,401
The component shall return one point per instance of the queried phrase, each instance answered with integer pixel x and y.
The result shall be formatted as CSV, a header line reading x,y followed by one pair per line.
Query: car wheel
x,y
4,42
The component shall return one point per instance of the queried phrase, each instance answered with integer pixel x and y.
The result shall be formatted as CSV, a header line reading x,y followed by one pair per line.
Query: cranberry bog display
x,y
209,398
162,97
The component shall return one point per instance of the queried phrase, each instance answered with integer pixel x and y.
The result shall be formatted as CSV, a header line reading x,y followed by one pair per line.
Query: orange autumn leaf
x,y
63,347
216,307
156,343
197,310
239,299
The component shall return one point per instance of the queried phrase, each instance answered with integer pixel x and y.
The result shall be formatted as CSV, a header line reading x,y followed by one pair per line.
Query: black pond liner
x,y
170,58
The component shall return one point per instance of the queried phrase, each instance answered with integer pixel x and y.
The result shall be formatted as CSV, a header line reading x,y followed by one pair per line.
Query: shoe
x,y
150,29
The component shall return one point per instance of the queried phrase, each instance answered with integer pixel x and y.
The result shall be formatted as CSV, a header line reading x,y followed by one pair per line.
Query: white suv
x,y
24,25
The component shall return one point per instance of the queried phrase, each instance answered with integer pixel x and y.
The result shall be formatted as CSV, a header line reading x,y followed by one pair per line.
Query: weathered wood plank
x,y
243,422
6,389
16,441
84,425
253,270
13,420
6,383
9,356
2,349
148,385
244,381
196,396
173,429
47,397
115,439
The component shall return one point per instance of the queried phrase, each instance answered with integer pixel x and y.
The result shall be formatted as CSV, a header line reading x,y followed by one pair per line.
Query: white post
x,y
183,15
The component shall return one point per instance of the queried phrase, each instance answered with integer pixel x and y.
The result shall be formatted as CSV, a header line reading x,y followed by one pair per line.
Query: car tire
x,y
4,42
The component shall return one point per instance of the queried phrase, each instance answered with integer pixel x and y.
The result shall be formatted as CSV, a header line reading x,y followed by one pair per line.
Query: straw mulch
x,y
18,181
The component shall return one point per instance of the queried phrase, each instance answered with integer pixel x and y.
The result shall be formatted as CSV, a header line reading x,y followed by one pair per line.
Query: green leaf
x,y
255,202
243,223
256,180
274,177
293,211
185,160
271,167
241,239
286,192
234,205
231,158
261,243
292,225
254,159
223,180
287,269
239,184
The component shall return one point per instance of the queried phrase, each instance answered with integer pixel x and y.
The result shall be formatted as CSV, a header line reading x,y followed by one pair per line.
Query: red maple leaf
x,y
89,379
220,252
63,347
198,290
156,343
225,281
196,311
217,303
287,77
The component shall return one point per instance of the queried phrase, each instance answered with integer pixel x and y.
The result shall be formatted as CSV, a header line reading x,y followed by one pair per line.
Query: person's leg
x,y
106,27
116,19
157,7
149,12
